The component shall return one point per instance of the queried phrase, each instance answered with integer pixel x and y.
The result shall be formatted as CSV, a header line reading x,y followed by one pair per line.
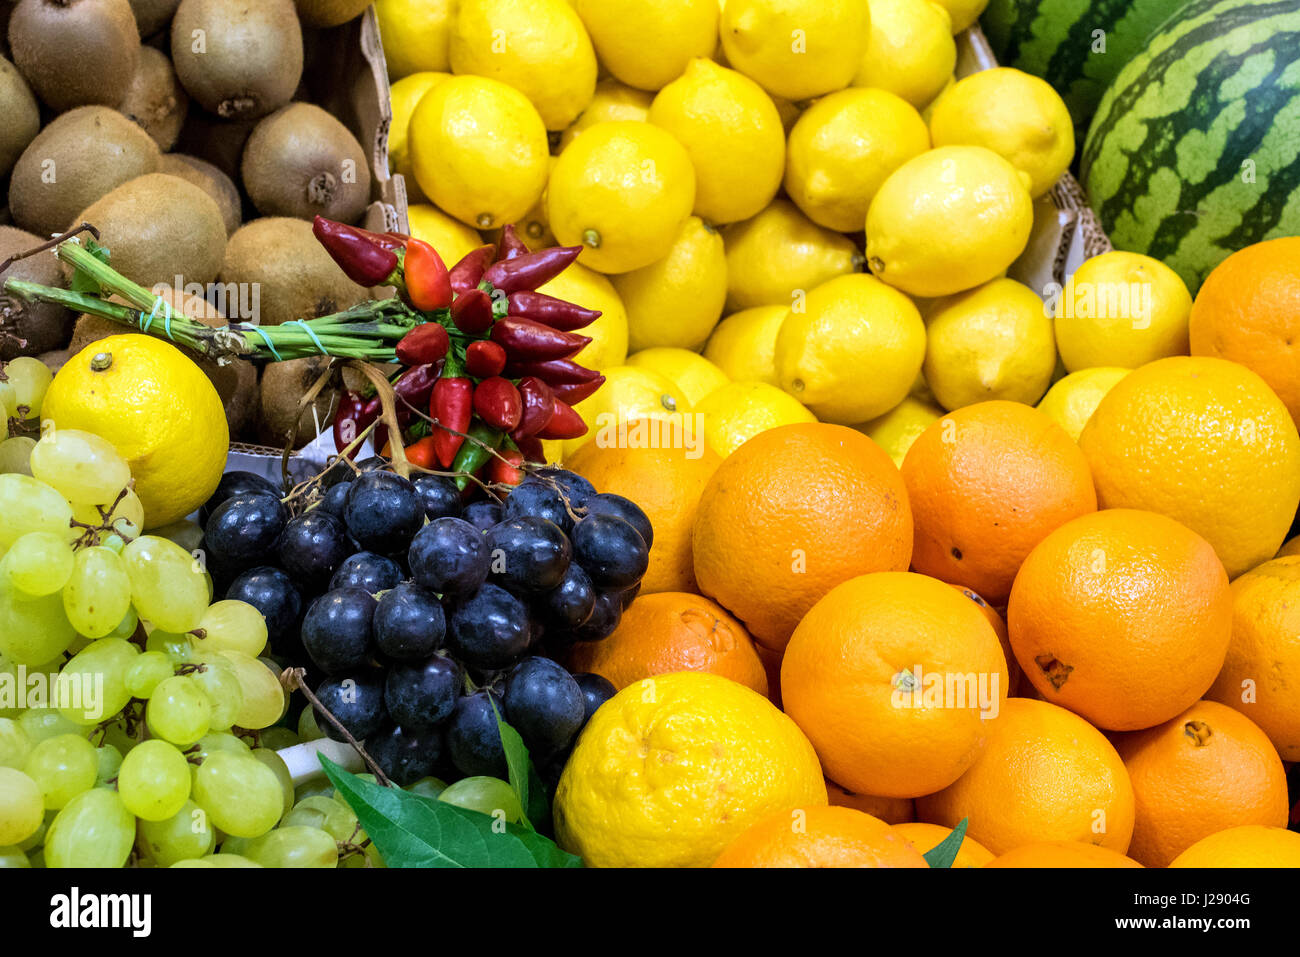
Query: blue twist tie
x,y
307,329
166,307
265,338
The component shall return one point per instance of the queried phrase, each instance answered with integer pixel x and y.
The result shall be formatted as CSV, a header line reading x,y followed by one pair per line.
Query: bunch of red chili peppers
x,y
493,359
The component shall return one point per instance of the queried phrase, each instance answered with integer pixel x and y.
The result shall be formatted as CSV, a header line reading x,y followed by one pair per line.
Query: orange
x,y
1251,845
925,837
792,513
1045,775
667,484
986,484
897,680
1121,616
673,631
820,837
1248,310
1000,627
1062,854
889,810
1204,771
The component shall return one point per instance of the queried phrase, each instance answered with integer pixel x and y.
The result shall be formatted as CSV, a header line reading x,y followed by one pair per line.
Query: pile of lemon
x,y
790,209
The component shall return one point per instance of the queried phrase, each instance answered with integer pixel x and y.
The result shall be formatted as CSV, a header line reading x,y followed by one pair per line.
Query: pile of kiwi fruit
x,y
183,131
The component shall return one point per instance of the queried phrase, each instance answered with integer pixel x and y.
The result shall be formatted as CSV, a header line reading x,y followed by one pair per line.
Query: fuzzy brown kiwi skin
x,y
238,59
217,141
43,326
152,15
209,179
330,13
302,162
156,101
75,52
22,116
283,386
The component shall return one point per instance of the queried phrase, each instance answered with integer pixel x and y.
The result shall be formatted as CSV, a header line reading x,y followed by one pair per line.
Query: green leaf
x,y
414,831
943,854
517,762
82,281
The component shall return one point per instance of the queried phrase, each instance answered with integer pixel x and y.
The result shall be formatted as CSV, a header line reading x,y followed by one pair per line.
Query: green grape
x,y
277,738
129,508
28,505
81,466
188,535
242,795
233,625
16,455
30,378
485,795
92,687
22,806
79,644
43,723
98,593
205,864
369,857
14,744
317,788
294,847
167,586
154,781
330,815
94,830
431,788
117,736
126,627
178,711
109,762
62,767
37,840
229,860
308,728
218,741
147,672
235,845
39,563
12,859
276,764
32,630
217,677
179,648
264,699
185,835
8,401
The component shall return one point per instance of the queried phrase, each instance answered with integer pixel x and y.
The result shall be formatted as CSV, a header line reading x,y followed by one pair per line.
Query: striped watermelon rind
x,y
1195,149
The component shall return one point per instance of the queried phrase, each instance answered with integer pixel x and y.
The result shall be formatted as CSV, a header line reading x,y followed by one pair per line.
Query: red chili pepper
x,y
550,311
531,270
423,453
512,247
497,402
484,359
472,312
379,437
424,344
564,424
362,259
507,469
553,371
452,404
573,393
347,419
525,339
414,388
467,273
428,284
530,446
539,406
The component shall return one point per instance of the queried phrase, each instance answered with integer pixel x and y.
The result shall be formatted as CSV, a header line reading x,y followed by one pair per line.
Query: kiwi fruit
x,y
219,142
152,15
156,101
283,386
302,162
209,179
238,59
158,227
56,359
28,329
75,52
78,158
330,13
22,116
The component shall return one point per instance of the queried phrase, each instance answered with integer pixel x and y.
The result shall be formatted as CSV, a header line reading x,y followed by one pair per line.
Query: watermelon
x,y
1195,149
1078,46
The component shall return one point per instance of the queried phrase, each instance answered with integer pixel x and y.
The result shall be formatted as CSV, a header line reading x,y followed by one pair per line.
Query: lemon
x,y
963,12
677,300
993,342
158,410
532,226
1017,116
897,429
948,220
612,101
1070,402
672,768
720,115
623,190
591,290
694,375
416,34
407,93
796,48
479,150
539,47
629,394
647,43
843,147
928,112
911,51
780,253
743,345
1290,548
450,237
1122,309
734,414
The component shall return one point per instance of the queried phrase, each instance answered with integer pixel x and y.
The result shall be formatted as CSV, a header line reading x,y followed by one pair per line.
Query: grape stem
x,y
292,679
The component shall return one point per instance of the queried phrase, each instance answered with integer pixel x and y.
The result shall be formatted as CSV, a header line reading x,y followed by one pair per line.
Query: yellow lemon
x,y
1290,548
479,150
623,190
948,220
673,767
963,12
158,410
779,253
910,52
843,147
539,47
993,342
720,115
628,395
450,237
796,48
591,290
897,429
416,34
1017,116
693,374
743,345
928,112
734,414
852,351
532,227
677,300
1122,309
647,43
1246,845
407,93
612,101
1071,401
